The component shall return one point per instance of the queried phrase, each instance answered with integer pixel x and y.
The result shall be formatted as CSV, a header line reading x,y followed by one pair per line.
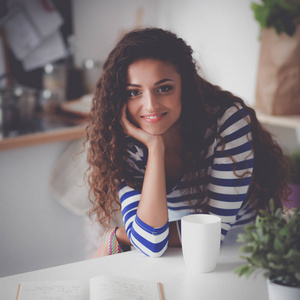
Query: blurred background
x,y
51,55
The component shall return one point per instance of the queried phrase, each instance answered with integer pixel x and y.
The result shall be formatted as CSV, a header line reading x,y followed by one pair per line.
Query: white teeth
x,y
153,117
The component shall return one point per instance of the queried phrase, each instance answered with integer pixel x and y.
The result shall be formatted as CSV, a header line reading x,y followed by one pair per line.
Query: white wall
x,y
35,230
223,34
98,24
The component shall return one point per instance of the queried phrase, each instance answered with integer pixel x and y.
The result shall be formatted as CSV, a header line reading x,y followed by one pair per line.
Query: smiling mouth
x,y
152,117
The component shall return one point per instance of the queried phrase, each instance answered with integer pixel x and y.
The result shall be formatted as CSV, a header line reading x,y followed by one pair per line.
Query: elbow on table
x,y
151,242
157,254
156,251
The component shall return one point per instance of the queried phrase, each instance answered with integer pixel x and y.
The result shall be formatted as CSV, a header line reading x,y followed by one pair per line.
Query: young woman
x,y
164,143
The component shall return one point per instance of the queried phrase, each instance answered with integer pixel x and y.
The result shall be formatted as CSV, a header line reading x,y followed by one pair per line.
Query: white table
x,y
221,284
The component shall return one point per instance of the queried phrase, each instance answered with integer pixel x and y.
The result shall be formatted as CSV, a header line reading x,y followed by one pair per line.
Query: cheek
x,y
178,105
130,109
132,112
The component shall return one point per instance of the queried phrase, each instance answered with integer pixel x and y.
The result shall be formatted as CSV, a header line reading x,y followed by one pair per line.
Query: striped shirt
x,y
227,185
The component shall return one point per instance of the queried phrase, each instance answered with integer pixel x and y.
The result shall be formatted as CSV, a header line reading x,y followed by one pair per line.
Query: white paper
x,y
22,36
54,290
44,16
50,50
97,288
32,28
116,288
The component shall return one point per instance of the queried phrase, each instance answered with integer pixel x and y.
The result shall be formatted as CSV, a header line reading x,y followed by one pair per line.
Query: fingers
x,y
124,120
134,131
129,128
123,113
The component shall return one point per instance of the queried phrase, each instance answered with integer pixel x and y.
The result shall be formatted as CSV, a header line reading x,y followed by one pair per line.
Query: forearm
x,y
152,241
145,212
153,208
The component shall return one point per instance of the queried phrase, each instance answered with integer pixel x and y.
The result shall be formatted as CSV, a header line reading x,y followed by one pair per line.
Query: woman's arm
x,y
153,209
174,238
123,239
147,227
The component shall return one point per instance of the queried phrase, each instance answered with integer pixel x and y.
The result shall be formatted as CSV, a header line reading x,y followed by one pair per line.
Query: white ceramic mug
x,y
200,238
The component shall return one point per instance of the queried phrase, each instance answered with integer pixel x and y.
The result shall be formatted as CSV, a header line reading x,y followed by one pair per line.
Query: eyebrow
x,y
156,83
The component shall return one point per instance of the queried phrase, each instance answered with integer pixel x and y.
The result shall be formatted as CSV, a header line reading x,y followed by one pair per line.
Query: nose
x,y
151,102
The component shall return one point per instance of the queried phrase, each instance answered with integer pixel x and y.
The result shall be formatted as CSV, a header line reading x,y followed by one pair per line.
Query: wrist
x,y
157,145
122,236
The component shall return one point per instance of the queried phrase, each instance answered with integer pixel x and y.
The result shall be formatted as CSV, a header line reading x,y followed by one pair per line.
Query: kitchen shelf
x,y
65,134
286,121
46,129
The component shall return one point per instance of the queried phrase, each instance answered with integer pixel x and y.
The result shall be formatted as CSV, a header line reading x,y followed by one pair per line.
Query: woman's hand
x,y
101,251
141,135
122,239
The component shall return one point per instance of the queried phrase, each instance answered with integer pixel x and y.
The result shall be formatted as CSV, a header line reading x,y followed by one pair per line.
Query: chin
x,y
155,131
152,132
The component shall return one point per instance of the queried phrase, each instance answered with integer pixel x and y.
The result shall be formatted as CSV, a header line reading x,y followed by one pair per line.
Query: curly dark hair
x,y
202,105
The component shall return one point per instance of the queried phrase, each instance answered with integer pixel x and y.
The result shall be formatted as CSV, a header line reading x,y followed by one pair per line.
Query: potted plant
x,y
273,246
282,15
294,179
277,90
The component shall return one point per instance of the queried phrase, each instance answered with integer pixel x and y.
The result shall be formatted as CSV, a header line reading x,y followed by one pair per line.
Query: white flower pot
x,y
281,292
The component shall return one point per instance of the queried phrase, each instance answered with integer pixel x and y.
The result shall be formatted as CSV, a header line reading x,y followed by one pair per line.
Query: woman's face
x,y
153,95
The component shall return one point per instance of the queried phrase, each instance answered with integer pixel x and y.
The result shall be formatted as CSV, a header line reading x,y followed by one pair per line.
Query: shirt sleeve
x,y
149,240
232,167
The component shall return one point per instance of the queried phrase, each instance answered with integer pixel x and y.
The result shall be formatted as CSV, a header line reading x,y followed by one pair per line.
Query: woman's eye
x,y
165,89
133,93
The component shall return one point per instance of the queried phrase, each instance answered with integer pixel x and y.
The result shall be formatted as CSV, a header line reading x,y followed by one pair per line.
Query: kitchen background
x,y
36,231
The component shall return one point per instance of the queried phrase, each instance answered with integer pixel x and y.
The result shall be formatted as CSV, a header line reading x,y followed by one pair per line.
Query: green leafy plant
x,y
283,15
273,246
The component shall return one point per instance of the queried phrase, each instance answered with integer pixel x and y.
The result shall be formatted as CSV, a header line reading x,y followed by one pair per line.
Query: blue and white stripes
x,y
228,184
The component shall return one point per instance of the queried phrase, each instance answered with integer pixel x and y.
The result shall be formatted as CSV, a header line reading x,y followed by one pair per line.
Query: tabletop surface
x,y
178,283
